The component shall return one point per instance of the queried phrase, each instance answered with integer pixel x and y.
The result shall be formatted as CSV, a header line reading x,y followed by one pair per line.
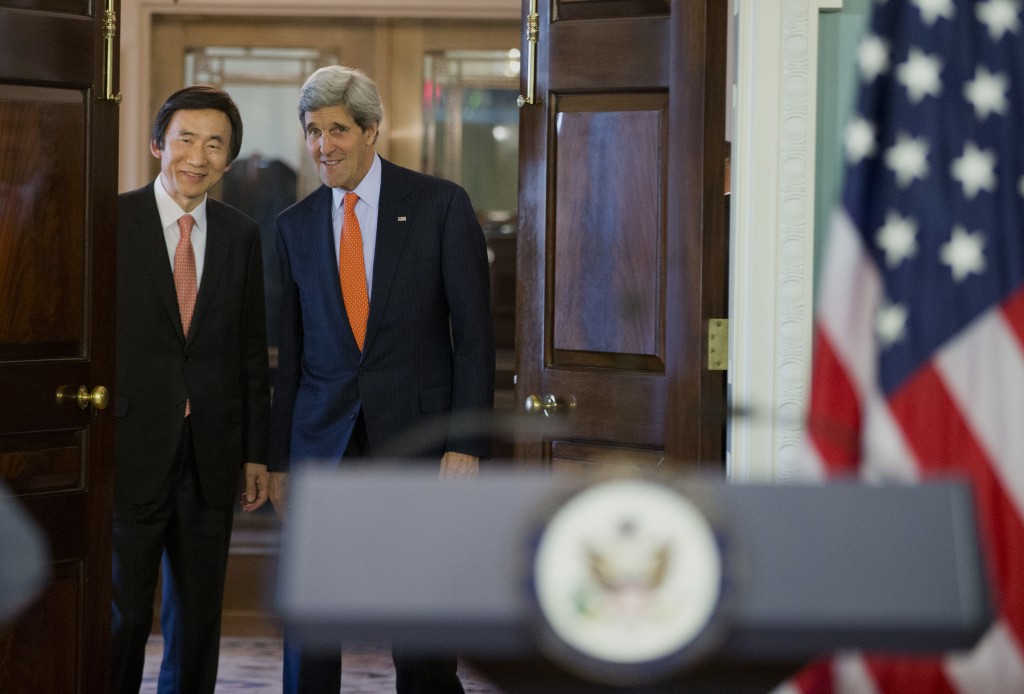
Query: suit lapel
x,y
320,222
392,229
218,247
147,233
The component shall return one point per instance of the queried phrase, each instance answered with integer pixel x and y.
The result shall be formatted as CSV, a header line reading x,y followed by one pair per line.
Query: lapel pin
x,y
401,219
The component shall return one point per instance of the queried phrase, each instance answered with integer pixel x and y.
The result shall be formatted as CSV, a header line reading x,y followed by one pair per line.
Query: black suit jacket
x,y
429,348
221,367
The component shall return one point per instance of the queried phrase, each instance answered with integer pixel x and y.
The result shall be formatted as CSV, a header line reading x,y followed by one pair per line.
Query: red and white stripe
x,y
963,413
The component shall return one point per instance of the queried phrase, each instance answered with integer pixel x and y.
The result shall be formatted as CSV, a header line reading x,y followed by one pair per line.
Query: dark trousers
x,y
307,672
320,673
190,539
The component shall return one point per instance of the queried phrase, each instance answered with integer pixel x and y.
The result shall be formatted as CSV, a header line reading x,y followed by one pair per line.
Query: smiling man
x,y
192,399
385,327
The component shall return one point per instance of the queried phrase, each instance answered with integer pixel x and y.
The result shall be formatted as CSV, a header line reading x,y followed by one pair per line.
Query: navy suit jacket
x,y
429,346
221,367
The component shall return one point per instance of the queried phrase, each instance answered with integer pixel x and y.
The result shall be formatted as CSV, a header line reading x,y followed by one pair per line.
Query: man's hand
x,y
279,492
459,465
257,481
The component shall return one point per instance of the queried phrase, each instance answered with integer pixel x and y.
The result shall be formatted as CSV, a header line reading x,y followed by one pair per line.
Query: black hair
x,y
196,98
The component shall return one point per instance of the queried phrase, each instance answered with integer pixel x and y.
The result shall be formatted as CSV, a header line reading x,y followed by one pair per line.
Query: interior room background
x,y
789,101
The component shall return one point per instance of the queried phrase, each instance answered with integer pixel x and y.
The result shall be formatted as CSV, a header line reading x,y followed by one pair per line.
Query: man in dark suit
x,y
354,382
192,400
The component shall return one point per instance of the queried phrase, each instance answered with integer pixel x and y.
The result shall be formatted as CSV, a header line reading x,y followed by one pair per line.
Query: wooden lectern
x,y
469,566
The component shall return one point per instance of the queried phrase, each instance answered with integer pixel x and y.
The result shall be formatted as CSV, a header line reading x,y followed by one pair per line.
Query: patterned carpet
x,y
254,666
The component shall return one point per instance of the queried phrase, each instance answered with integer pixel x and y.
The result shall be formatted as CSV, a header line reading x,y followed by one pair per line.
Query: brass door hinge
x,y
109,47
532,32
718,344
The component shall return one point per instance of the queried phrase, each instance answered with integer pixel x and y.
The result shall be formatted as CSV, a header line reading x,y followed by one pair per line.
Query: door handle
x,y
550,404
99,398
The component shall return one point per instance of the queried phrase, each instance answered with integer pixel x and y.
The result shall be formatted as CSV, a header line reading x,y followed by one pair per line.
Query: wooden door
x,y
58,188
622,240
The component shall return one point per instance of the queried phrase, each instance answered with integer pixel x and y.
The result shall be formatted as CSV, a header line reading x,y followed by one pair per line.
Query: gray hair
x,y
337,85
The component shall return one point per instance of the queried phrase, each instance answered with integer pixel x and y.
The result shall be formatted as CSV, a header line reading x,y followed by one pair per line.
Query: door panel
x,y
65,6
42,191
38,631
567,456
45,462
20,33
608,306
58,178
605,54
605,9
622,245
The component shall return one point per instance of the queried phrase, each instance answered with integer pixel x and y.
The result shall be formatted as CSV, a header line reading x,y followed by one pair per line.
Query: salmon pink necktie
x,y
185,282
352,271
185,271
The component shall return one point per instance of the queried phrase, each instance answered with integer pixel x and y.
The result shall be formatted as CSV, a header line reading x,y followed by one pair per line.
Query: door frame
x,y
771,268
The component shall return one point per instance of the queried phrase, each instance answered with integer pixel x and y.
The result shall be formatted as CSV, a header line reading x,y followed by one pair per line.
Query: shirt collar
x,y
368,189
170,211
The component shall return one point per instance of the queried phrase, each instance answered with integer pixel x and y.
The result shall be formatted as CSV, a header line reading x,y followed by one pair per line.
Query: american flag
x,y
918,365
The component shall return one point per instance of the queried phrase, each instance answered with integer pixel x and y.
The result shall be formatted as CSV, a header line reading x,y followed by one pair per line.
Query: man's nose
x,y
196,155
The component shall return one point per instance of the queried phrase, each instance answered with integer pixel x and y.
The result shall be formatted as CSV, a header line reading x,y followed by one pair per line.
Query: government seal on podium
x,y
629,579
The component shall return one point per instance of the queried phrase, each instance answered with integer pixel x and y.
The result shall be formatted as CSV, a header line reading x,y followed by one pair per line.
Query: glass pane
x,y
471,127
270,173
42,222
471,136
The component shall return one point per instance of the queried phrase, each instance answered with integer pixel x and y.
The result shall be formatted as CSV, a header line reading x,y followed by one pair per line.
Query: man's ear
x,y
154,149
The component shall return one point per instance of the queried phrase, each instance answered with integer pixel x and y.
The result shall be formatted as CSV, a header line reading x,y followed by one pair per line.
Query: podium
x,y
451,566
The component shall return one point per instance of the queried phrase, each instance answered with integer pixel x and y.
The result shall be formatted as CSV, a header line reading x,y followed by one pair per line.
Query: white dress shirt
x,y
170,212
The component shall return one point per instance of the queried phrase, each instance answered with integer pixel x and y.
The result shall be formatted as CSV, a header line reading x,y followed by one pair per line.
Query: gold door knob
x,y
99,398
550,404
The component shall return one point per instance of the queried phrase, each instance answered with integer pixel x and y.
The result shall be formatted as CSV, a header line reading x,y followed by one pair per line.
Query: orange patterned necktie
x,y
185,282
352,271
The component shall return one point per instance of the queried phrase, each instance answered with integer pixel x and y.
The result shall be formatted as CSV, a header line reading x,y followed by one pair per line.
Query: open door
x,y
622,247
58,190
